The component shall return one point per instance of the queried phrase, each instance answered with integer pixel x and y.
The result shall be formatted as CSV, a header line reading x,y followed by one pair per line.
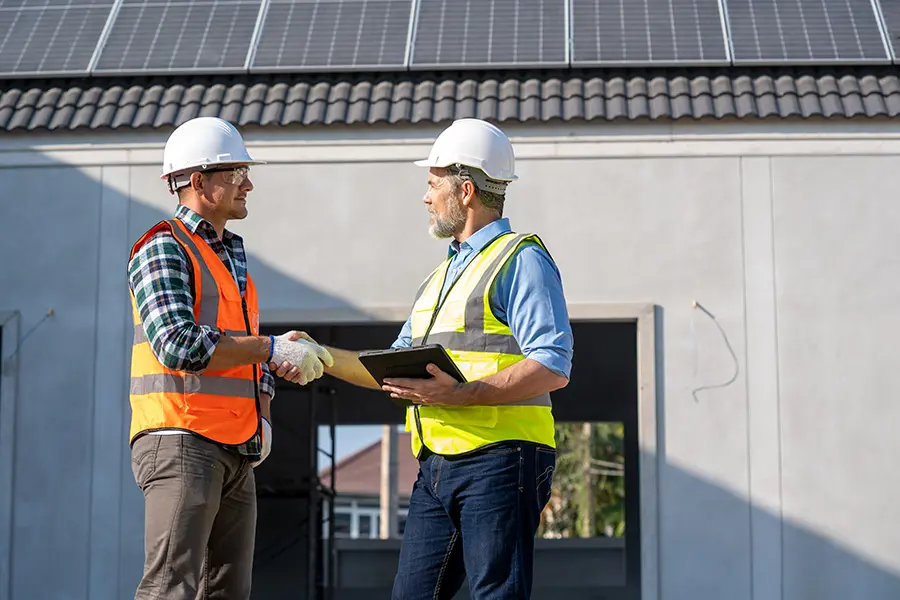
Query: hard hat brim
x,y
429,163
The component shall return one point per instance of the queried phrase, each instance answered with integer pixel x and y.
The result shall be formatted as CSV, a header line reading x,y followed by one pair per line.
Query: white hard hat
x,y
204,143
474,143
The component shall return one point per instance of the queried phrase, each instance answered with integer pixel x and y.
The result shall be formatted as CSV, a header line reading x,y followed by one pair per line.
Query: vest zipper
x,y
434,315
440,304
255,373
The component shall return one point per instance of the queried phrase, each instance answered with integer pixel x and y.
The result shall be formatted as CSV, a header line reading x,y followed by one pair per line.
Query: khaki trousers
x,y
199,518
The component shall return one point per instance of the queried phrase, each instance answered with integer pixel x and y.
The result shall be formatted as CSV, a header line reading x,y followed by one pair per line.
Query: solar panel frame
x,y
865,8
721,40
889,21
260,62
561,61
87,19
250,10
257,30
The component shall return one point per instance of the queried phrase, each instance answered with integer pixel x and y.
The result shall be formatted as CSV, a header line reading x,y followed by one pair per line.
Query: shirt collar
x,y
194,221
482,237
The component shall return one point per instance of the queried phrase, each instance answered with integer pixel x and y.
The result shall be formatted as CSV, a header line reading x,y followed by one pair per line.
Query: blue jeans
x,y
475,515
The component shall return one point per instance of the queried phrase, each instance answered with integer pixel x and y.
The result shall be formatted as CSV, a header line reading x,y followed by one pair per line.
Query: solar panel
x,y
490,33
640,32
890,14
333,34
49,38
805,31
179,36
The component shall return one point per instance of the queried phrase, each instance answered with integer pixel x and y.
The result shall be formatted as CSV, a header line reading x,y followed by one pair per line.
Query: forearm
x,y
238,351
525,379
348,368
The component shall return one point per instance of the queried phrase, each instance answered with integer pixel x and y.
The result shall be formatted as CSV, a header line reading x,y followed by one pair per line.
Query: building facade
x,y
746,220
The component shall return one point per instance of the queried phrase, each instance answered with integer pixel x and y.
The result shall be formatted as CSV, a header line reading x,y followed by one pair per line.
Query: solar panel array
x,y
40,38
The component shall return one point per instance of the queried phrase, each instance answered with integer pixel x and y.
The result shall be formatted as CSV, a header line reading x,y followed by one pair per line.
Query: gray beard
x,y
454,222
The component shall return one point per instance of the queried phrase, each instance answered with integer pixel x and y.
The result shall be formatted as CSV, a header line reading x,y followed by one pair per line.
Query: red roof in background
x,y
360,473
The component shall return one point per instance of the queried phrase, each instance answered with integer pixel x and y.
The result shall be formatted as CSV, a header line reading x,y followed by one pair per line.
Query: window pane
x,y
588,493
342,525
365,526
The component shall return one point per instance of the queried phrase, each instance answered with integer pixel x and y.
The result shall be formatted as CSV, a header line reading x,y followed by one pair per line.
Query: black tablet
x,y
408,362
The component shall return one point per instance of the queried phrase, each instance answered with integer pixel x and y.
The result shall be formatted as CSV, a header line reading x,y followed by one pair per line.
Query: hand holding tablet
x,y
409,363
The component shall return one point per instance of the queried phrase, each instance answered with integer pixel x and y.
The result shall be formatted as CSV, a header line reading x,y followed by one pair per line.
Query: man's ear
x,y
469,192
197,181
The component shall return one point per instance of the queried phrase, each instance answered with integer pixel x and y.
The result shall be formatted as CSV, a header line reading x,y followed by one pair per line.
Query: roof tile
x,y
425,97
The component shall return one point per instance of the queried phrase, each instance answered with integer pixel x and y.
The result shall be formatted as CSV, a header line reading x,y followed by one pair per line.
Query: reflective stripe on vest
x,y
220,405
480,345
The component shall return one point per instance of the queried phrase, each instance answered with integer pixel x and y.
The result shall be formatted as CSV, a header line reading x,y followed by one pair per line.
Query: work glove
x,y
266,442
307,356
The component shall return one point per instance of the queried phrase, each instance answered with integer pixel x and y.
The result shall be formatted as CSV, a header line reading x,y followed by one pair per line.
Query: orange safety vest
x,y
222,406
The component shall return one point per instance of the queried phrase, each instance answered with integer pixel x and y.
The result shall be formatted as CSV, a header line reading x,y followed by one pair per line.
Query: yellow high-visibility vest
x,y
480,345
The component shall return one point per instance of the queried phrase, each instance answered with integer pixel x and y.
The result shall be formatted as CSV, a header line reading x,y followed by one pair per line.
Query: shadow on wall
x,y
74,493
729,548
705,562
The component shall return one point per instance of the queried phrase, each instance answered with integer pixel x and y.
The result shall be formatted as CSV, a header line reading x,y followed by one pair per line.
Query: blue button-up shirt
x,y
527,296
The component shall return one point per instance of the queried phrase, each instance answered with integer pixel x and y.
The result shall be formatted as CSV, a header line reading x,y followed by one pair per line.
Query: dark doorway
x,y
298,555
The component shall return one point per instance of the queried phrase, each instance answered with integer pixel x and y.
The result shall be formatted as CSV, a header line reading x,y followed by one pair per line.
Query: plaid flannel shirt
x,y
160,278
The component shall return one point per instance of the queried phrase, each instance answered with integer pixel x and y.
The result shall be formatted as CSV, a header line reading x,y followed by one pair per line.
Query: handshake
x,y
298,358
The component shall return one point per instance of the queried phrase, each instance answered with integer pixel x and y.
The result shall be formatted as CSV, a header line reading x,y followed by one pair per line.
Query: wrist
x,y
271,349
470,392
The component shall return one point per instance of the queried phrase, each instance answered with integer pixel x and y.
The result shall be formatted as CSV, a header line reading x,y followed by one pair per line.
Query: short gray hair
x,y
459,174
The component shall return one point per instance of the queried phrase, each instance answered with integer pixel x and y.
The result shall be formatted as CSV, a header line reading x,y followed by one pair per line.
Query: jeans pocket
x,y
545,465
502,462
197,457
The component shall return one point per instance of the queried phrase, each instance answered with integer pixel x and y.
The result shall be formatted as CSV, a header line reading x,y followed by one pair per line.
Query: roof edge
x,y
566,95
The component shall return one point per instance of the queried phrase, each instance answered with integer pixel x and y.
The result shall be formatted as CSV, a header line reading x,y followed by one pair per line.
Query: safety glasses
x,y
232,175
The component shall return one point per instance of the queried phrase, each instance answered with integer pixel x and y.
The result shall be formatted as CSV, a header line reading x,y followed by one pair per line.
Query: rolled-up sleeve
x,y
160,280
528,296
266,381
404,338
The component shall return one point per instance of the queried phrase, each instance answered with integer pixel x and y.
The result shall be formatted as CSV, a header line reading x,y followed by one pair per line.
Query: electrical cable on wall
x,y
734,358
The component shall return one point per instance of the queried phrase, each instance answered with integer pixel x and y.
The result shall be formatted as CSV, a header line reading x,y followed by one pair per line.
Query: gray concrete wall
x,y
775,466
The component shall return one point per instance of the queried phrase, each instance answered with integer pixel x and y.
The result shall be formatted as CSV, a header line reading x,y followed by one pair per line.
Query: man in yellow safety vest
x,y
486,448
